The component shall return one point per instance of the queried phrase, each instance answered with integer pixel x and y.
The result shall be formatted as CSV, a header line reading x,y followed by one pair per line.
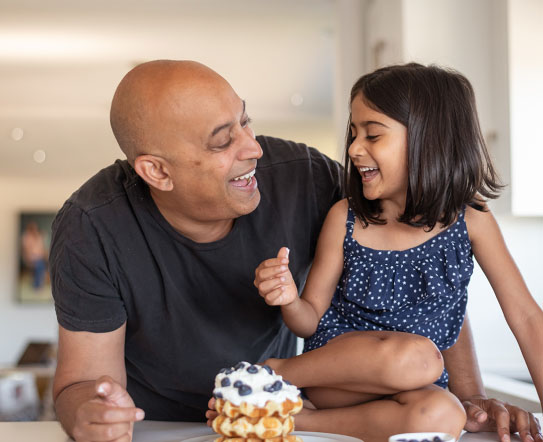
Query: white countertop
x,y
149,431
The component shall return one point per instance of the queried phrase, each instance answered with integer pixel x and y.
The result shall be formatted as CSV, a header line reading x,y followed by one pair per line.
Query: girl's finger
x,y
265,287
272,297
271,272
273,262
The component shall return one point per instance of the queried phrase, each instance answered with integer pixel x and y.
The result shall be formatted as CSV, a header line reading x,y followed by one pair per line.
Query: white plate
x,y
305,435
421,436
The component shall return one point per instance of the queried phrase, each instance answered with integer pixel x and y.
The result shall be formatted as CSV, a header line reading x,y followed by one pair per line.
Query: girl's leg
x,y
369,362
327,397
426,409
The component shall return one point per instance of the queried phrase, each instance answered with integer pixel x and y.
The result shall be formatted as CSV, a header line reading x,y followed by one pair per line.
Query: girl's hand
x,y
274,280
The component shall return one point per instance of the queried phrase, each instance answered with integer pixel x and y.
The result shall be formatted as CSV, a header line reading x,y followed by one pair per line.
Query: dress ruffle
x,y
386,278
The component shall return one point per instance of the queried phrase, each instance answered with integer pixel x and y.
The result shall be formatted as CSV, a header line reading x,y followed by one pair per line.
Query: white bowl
x,y
419,437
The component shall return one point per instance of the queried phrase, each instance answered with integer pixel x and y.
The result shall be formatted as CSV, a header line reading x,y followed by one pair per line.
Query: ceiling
x,y
60,61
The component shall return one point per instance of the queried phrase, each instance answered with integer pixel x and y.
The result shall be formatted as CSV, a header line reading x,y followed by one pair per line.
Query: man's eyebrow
x,y
225,125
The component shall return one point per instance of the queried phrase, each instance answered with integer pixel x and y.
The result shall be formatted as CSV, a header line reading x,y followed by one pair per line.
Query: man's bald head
x,y
152,92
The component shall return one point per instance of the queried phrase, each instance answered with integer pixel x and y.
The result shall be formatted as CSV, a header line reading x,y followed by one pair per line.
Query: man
x,y
153,258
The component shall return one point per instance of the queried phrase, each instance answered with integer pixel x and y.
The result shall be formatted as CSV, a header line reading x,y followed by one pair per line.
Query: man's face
x,y
212,154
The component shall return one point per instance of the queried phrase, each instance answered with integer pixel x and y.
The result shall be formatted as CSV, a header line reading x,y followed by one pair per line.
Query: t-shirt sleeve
x,y
86,298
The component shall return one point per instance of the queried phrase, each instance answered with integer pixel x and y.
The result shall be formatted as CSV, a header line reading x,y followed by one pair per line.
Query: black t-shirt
x,y
190,308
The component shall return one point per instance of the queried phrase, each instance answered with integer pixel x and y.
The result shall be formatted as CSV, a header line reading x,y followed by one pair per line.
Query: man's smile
x,y
246,180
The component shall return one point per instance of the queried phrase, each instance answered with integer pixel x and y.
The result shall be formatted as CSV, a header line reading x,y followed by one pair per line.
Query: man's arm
x,y
89,389
484,414
461,362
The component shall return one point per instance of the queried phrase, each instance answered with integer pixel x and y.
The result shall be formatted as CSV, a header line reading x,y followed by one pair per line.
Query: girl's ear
x,y
154,171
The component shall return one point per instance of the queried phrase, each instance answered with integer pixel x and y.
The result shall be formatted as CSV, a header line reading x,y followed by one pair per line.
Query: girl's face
x,y
379,153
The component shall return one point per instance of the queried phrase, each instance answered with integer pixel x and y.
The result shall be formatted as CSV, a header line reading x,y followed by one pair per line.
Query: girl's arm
x,y
523,315
275,283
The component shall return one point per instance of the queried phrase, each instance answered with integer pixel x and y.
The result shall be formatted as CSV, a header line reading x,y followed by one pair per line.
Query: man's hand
x,y
274,280
109,416
211,413
494,415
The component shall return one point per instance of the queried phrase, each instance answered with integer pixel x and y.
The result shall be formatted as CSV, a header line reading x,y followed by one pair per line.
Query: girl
x,y
417,174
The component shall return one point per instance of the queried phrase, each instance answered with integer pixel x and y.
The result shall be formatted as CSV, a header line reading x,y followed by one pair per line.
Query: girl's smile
x,y
368,173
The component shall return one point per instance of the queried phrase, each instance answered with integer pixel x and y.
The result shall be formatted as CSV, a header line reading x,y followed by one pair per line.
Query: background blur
x,y
294,62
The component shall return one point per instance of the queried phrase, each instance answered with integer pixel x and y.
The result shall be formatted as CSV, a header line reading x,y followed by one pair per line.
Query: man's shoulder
x,y
104,187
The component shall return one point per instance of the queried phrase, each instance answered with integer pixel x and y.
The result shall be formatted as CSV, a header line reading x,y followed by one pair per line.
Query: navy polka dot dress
x,y
421,290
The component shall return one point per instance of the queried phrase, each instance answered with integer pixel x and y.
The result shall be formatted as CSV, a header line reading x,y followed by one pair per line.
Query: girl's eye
x,y
372,137
246,122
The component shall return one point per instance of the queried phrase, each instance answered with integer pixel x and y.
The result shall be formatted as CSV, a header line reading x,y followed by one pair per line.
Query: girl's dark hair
x,y
448,163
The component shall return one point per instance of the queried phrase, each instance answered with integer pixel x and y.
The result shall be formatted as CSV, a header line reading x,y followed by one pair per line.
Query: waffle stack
x,y
254,404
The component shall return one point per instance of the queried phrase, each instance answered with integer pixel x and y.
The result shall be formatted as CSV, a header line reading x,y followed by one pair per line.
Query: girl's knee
x,y
415,362
436,410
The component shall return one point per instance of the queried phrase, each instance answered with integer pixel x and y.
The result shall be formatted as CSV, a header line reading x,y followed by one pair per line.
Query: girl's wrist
x,y
292,305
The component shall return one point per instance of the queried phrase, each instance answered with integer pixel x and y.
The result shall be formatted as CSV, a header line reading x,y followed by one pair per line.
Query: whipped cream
x,y
254,384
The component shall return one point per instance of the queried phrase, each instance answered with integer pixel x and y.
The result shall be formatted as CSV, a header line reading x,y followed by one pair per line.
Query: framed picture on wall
x,y
33,281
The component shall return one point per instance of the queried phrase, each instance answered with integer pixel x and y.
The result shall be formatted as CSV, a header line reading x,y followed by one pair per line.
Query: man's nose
x,y
250,148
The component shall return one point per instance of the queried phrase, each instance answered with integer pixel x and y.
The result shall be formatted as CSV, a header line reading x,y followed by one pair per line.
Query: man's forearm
x,y
461,362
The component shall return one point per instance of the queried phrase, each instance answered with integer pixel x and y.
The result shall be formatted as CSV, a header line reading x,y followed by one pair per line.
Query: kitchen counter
x,y
151,431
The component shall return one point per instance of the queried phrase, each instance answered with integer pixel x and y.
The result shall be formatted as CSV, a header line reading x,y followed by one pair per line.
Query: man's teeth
x,y
367,169
247,176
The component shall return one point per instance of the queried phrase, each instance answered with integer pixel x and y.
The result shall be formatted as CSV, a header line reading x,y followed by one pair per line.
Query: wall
x,y
496,346
20,323
525,18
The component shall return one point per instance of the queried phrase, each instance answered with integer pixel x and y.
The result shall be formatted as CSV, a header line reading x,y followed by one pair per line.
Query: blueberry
x,y
271,388
225,382
425,440
286,382
238,384
413,440
268,369
252,369
229,371
223,370
437,439
217,395
239,365
244,390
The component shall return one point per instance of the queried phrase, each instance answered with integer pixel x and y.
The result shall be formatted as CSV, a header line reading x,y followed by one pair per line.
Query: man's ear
x,y
154,171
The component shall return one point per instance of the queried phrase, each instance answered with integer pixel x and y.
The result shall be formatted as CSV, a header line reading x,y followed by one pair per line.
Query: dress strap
x,y
461,214
350,221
